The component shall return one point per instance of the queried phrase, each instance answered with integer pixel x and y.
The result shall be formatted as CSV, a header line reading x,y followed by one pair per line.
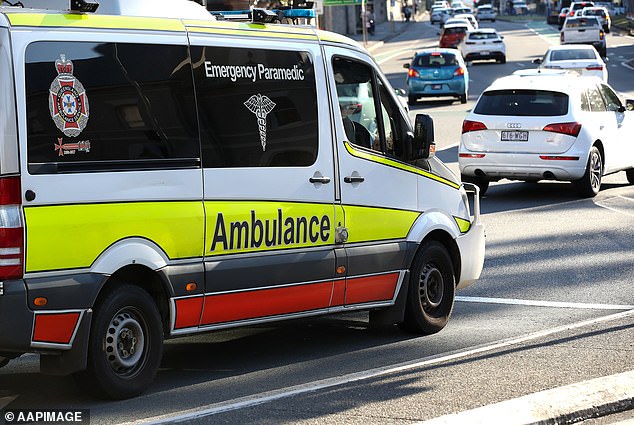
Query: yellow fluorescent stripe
x,y
392,163
337,38
73,236
374,224
244,226
463,224
94,21
251,32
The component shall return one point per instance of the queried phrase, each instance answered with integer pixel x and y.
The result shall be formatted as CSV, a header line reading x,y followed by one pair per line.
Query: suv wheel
x,y
590,184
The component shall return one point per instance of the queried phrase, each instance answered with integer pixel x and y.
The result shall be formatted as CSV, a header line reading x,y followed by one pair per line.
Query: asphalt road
x,y
554,306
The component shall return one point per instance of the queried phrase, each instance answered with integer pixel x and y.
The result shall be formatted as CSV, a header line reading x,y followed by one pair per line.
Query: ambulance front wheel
x,y
126,344
431,290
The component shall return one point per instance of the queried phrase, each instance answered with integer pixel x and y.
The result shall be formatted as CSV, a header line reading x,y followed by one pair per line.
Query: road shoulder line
x,y
567,404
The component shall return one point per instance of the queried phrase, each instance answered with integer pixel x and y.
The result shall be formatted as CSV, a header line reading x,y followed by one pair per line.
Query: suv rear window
x,y
435,60
455,30
581,22
522,103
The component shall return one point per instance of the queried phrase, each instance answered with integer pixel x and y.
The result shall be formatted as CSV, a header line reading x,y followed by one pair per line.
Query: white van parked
x,y
168,176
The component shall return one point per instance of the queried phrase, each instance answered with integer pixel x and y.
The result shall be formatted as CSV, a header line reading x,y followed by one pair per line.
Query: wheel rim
x,y
125,342
432,287
595,171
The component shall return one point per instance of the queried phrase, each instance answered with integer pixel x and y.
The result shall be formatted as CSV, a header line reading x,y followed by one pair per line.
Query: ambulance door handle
x,y
318,178
353,179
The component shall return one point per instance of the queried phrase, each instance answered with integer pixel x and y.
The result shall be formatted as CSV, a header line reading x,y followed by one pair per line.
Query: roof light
x,y
83,6
567,128
468,126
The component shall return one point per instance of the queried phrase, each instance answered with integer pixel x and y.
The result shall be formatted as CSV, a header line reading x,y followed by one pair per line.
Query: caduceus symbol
x,y
261,106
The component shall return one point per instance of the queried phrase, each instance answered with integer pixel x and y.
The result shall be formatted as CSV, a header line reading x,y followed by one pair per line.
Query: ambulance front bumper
x,y
471,244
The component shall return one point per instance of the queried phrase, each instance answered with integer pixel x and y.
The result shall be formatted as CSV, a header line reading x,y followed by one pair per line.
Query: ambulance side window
x,y
361,93
257,107
109,107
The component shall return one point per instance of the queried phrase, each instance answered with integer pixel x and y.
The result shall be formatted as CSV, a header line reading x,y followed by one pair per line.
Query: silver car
x,y
486,13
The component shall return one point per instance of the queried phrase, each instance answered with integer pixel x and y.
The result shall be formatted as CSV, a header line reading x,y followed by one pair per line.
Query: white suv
x,y
546,126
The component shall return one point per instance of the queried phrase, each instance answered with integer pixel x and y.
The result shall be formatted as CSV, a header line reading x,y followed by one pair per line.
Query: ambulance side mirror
x,y
423,145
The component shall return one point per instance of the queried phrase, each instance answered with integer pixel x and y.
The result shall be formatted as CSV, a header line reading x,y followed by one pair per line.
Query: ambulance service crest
x,y
68,102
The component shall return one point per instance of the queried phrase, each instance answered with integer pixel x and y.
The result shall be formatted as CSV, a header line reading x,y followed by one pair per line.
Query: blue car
x,y
437,73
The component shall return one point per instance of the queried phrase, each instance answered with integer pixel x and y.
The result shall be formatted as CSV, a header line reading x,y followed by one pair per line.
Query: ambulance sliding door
x,y
378,194
268,178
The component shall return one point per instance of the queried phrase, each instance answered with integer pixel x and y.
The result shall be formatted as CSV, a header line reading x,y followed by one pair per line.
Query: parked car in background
x,y
461,9
601,13
460,21
563,14
486,12
547,127
483,44
580,58
437,72
584,30
519,7
578,5
435,15
469,17
452,34
445,15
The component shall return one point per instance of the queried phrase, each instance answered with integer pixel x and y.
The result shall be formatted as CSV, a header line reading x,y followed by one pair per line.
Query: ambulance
x,y
162,177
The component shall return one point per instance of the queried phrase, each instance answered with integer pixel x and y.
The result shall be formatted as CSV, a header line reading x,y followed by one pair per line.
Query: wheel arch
x,y
438,226
147,279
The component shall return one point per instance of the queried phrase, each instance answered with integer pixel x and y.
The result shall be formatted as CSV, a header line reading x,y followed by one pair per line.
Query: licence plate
x,y
515,136
484,53
436,86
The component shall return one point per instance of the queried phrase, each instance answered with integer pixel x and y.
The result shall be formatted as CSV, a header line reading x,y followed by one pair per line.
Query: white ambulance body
x,y
164,177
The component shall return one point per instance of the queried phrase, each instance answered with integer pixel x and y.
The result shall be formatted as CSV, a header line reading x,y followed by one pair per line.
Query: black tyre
x,y
481,182
431,290
502,59
590,184
411,100
463,98
630,175
126,344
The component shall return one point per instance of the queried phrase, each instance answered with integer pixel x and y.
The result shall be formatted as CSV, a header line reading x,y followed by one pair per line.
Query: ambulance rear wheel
x,y
126,344
431,290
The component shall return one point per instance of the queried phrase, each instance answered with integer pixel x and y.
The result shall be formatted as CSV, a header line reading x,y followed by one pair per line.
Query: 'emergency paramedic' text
x,y
253,72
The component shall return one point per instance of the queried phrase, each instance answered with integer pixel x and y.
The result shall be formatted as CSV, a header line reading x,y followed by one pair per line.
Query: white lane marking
x,y
627,66
538,303
269,396
599,204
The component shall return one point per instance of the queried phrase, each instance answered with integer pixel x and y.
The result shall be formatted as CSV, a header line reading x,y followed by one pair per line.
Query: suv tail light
x,y
567,128
413,73
11,229
468,126
458,72
561,37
